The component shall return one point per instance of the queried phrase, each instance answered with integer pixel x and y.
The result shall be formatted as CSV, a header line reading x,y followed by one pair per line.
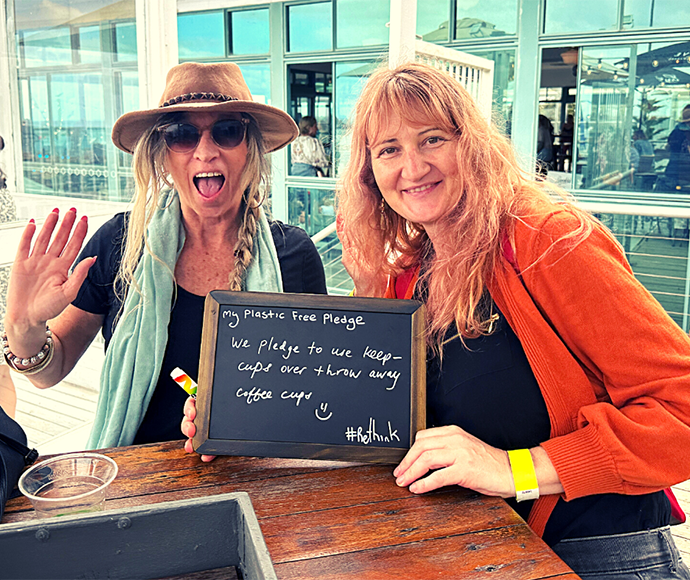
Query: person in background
x,y
544,146
677,172
641,143
307,152
554,379
197,224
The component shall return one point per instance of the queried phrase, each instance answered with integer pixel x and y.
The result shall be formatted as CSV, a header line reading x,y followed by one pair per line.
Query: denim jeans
x,y
647,555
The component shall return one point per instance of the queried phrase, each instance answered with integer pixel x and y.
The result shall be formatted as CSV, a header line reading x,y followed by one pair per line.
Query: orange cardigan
x,y
613,368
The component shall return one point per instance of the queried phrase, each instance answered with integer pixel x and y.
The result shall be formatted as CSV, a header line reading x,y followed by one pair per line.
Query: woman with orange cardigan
x,y
554,378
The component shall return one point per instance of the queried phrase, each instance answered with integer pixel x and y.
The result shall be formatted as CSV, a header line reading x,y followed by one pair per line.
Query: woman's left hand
x,y
457,458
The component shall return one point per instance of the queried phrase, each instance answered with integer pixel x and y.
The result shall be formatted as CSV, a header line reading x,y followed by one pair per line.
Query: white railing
x,y
474,73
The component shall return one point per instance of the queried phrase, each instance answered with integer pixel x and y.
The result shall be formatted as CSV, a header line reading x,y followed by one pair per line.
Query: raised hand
x,y
456,458
189,428
40,285
367,281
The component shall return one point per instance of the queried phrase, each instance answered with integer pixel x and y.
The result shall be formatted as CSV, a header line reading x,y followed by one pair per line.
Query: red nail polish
x,y
32,221
74,209
56,210
83,218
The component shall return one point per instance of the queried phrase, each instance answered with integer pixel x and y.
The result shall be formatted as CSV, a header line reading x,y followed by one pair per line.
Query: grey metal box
x,y
151,541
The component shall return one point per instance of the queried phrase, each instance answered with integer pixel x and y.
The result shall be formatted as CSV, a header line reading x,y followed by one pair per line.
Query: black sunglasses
x,y
184,137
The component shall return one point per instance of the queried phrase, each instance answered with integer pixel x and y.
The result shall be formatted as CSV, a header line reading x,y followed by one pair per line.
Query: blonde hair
x,y
492,192
151,178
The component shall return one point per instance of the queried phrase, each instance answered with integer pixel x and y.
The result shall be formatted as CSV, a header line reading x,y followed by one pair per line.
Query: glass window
x,y
604,138
201,35
67,114
250,32
504,85
311,94
36,145
90,44
258,79
629,134
432,20
350,78
310,27
564,16
125,42
486,18
655,14
354,30
311,208
48,47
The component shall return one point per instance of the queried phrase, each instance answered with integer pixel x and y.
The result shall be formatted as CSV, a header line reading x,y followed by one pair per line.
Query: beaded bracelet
x,y
32,364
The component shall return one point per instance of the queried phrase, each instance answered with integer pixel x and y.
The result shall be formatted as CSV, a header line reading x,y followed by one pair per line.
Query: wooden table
x,y
332,520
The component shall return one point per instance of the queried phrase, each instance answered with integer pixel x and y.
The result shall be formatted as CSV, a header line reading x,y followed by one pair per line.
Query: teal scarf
x,y
135,353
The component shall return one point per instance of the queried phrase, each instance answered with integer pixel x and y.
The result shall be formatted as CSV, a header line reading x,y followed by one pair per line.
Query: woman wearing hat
x,y
196,225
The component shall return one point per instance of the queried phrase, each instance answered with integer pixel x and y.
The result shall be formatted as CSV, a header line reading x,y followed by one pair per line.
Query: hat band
x,y
219,97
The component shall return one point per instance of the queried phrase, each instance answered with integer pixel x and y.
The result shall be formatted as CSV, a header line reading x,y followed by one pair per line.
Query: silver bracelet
x,y
32,364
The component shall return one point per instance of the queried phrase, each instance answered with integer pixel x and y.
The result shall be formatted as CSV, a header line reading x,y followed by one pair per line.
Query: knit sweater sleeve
x,y
632,431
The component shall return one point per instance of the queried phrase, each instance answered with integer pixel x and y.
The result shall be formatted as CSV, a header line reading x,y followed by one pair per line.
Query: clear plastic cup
x,y
68,484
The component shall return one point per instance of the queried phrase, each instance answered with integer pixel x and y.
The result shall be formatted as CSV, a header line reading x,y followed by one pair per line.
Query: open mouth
x,y
209,184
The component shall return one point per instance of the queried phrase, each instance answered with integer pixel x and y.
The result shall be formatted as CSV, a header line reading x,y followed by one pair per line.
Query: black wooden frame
x,y
412,310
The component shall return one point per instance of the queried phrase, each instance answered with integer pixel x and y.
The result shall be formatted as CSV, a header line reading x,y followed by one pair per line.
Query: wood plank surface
x,y
505,553
332,519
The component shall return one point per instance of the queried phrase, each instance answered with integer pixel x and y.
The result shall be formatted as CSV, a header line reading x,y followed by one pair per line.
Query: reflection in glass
x,y
604,136
258,79
51,47
486,18
312,208
249,32
310,27
201,35
350,78
354,30
633,129
67,113
125,42
655,14
504,85
564,16
90,44
432,20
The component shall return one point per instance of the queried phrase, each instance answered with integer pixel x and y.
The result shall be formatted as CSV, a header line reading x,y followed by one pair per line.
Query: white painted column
x,y
403,30
156,47
10,123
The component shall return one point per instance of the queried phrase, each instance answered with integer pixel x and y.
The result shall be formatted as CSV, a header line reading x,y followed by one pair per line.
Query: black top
x,y
301,271
488,389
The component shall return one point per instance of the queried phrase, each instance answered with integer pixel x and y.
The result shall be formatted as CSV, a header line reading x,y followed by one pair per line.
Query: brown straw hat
x,y
217,87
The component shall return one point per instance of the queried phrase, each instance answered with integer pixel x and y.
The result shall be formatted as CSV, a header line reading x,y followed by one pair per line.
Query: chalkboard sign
x,y
310,376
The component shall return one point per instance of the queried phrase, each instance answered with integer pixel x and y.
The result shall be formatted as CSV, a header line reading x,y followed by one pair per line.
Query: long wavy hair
x,y
491,191
151,178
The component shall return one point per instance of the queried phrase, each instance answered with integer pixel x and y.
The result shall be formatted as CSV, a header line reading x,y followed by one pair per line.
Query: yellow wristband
x,y
352,292
524,474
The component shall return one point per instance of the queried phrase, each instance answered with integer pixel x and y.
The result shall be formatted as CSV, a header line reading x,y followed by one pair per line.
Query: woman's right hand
x,y
189,428
40,285
367,282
